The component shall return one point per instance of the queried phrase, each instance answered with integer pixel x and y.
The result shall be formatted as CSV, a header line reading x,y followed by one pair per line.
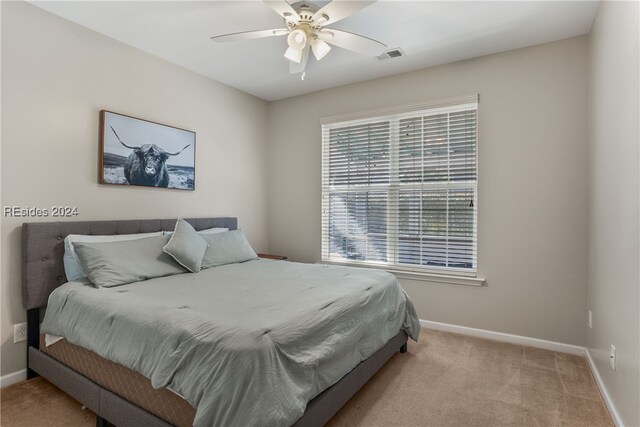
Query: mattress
x,y
124,382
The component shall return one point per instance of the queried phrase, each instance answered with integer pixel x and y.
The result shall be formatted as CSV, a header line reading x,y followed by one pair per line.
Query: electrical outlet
x,y
590,320
19,332
612,357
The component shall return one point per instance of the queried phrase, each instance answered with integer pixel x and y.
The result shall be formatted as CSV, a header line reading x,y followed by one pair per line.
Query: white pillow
x,y
72,268
214,230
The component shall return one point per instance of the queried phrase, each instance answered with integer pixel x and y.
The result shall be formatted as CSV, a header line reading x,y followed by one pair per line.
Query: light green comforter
x,y
246,344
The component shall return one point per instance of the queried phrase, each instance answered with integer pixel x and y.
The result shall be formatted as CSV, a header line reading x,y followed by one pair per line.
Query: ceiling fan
x,y
305,28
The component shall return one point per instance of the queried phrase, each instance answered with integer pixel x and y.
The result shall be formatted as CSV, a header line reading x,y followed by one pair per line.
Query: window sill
x,y
425,277
439,278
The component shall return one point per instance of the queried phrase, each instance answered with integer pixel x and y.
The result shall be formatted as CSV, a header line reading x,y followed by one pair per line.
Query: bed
x,y
116,393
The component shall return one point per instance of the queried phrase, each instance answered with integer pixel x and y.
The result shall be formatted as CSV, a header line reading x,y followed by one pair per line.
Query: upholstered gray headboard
x,y
43,248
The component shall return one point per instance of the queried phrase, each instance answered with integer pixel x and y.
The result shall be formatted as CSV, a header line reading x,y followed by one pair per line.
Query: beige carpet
x,y
445,380
37,402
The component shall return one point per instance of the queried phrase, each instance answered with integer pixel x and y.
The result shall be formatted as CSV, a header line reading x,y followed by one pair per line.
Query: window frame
x,y
393,115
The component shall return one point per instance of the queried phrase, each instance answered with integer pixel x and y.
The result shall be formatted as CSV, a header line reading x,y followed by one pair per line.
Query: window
x,y
399,190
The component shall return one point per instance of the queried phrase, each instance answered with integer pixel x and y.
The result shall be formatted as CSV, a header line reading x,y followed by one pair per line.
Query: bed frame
x,y
43,271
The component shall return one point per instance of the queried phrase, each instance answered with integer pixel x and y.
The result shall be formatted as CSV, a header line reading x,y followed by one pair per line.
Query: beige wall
x,y
614,191
532,148
532,186
56,76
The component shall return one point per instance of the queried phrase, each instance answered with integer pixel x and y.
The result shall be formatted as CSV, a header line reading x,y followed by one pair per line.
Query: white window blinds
x,y
399,190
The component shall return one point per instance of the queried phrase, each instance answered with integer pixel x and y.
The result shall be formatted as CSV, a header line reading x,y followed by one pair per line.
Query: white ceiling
x,y
430,33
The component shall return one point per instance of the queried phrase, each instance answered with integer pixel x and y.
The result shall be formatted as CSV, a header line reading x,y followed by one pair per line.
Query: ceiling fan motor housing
x,y
305,11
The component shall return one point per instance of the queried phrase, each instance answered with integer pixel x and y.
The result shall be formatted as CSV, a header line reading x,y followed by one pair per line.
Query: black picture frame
x,y
141,152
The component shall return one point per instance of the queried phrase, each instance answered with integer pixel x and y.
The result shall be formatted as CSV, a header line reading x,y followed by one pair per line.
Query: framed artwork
x,y
139,152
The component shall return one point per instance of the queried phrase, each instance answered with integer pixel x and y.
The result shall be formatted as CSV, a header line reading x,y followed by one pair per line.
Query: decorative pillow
x,y
118,263
227,248
186,246
72,268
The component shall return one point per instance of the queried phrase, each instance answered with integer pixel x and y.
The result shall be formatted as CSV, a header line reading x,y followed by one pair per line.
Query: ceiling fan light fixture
x,y
319,48
297,39
294,55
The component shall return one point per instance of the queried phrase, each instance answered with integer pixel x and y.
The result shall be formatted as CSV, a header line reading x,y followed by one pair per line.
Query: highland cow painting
x,y
139,152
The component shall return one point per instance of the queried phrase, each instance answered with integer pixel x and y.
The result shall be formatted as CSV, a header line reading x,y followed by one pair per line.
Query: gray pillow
x,y
227,248
72,268
186,246
109,264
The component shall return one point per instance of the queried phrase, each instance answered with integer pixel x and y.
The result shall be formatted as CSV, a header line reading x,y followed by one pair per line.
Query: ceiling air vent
x,y
391,53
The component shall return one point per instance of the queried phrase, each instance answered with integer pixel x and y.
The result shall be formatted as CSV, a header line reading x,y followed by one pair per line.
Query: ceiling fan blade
x,y
248,35
340,9
294,67
282,8
351,41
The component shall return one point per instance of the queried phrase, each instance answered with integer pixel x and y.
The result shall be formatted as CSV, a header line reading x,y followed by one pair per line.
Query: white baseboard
x,y
500,336
603,390
13,378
